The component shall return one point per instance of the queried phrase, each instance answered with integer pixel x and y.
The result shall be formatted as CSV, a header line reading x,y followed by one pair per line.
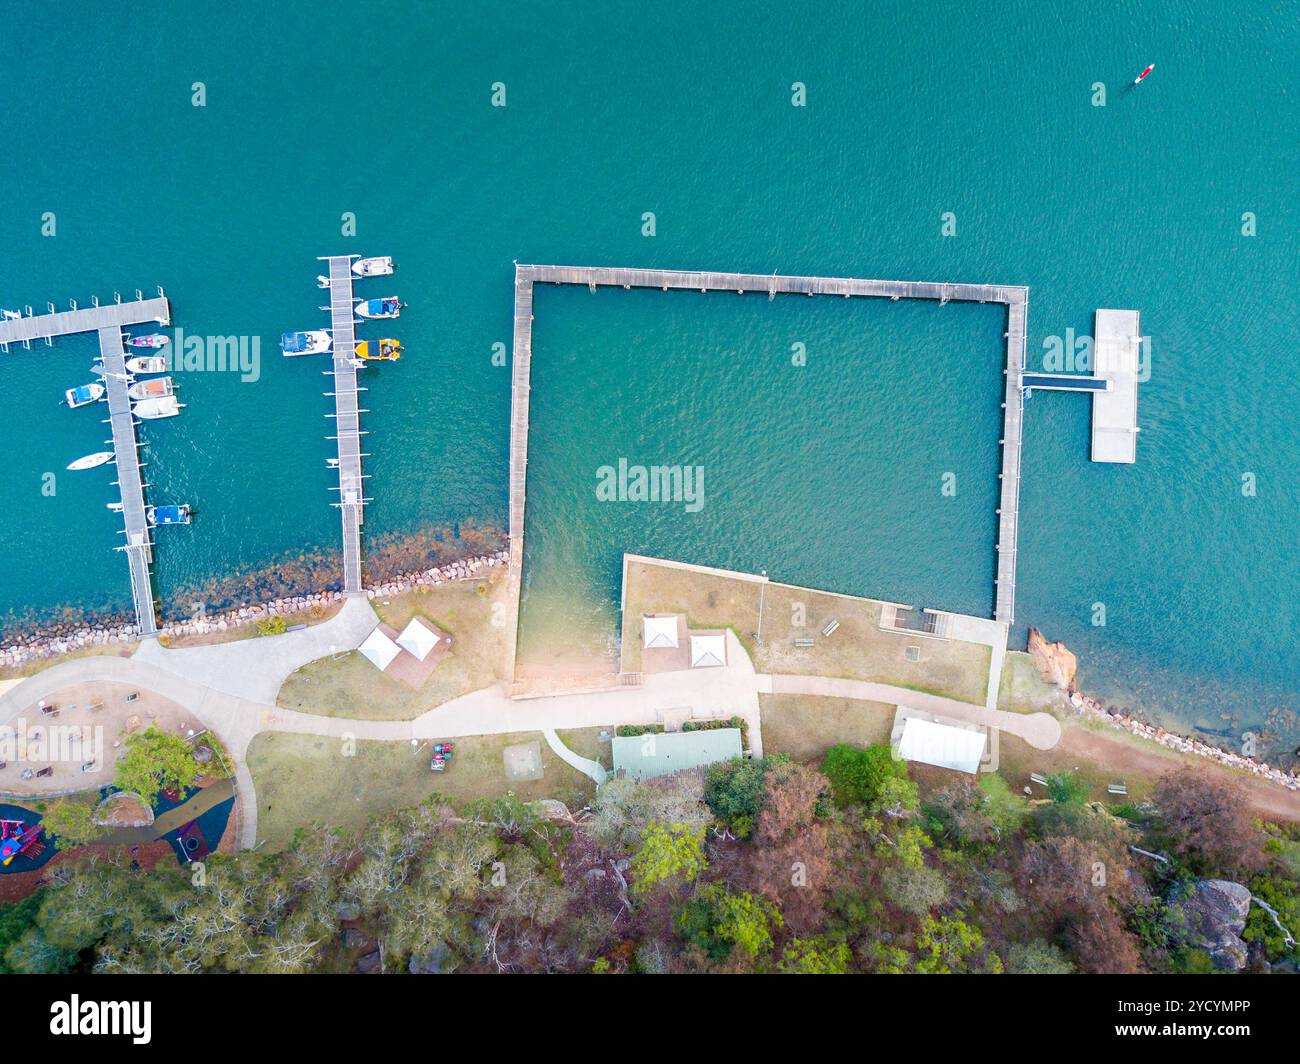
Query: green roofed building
x,y
644,757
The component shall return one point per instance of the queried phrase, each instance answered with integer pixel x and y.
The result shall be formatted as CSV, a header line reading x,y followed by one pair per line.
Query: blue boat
x,y
83,395
316,342
388,307
168,515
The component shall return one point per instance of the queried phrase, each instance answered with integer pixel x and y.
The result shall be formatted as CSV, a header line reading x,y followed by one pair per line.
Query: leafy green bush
x,y
857,773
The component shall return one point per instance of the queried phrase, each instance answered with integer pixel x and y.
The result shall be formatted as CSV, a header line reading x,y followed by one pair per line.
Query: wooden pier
x,y
108,321
138,545
347,417
117,315
1015,297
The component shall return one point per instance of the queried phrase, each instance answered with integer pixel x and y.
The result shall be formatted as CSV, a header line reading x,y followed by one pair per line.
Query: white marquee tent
x,y
417,638
379,649
660,631
708,650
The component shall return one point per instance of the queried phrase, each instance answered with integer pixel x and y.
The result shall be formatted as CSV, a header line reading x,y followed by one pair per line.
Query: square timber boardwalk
x,y
1015,297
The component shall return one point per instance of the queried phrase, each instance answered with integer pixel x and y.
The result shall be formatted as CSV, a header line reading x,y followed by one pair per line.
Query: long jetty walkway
x,y
138,545
108,321
347,417
1015,297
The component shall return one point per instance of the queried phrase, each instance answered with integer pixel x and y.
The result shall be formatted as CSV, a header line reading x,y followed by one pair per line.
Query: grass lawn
x,y
31,668
805,726
1022,690
707,600
858,649
301,779
350,686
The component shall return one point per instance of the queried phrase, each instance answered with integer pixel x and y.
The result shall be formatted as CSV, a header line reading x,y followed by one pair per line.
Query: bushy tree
x,y
734,790
72,824
814,956
668,853
1038,958
857,774
717,920
153,761
1206,821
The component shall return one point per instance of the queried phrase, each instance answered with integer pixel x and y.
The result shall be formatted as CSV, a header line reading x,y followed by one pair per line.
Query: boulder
x,y
1055,663
1215,915
431,962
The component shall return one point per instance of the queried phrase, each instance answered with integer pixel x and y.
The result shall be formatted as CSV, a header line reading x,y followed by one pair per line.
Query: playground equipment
x,y
17,838
441,755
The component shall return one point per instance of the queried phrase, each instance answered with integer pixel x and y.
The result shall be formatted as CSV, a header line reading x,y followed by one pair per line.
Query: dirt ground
x,y
109,724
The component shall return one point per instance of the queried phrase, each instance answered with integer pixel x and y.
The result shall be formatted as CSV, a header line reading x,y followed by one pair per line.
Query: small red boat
x,y
1144,73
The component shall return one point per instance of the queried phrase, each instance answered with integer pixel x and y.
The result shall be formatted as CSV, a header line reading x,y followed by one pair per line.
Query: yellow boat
x,y
389,351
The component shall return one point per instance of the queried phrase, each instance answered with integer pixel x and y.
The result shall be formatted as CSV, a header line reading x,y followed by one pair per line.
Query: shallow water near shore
x,y
826,475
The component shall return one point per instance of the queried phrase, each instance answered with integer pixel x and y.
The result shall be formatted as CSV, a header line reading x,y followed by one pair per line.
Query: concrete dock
x,y
1015,297
1117,343
108,321
347,417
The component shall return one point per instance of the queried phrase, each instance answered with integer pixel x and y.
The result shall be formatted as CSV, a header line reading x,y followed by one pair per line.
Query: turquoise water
x,y
826,474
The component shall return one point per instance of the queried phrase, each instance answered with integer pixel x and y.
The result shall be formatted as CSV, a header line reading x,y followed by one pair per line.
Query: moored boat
x,y
314,342
379,266
168,515
147,364
388,307
153,409
83,395
152,340
90,461
322,281
154,388
384,351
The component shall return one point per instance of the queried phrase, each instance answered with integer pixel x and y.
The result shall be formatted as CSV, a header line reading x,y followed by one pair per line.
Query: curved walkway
x,y
585,765
1039,730
221,686
255,668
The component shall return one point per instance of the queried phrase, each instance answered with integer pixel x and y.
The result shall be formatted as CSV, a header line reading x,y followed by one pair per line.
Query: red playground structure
x,y
17,838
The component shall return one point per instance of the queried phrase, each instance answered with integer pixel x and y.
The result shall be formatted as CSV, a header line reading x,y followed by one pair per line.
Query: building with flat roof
x,y
938,741
643,757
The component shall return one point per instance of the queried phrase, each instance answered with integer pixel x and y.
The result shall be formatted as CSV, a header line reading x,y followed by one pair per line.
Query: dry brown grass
x,y
305,779
857,650
350,686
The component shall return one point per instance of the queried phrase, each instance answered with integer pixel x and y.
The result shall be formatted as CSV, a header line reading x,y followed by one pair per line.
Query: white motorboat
x,y
315,342
154,388
380,266
153,409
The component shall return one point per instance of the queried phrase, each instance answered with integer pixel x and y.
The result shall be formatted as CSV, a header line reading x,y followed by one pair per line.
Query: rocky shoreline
x,y
33,648
1090,707
1057,666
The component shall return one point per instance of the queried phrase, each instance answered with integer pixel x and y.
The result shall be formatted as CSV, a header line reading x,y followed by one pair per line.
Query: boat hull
x,y
92,461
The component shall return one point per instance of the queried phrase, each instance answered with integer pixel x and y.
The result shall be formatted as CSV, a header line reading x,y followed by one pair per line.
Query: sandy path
x,y
1124,756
